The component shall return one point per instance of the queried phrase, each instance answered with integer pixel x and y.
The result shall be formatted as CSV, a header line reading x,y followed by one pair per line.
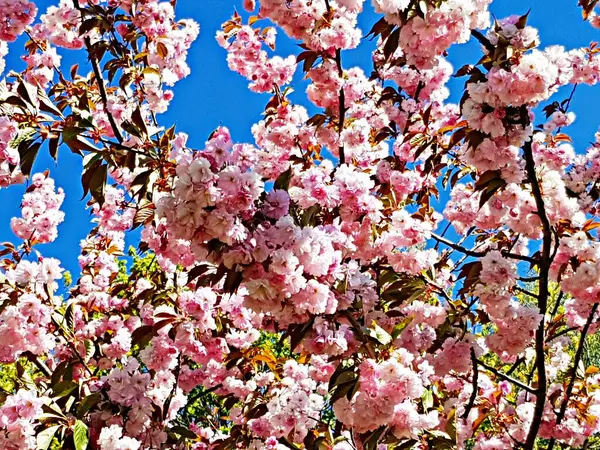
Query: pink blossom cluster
x,y
294,404
19,415
111,438
40,211
41,66
3,53
302,19
9,155
280,137
15,16
168,40
211,197
384,397
422,39
305,277
26,326
246,57
432,81
60,25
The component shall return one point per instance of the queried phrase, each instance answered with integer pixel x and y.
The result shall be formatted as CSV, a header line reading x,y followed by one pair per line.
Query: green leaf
x,y
44,439
64,388
440,440
283,181
98,183
522,22
400,327
309,215
80,435
28,155
52,411
88,403
53,148
59,372
451,425
185,432
342,384
427,398
391,44
28,93
142,335
69,317
379,334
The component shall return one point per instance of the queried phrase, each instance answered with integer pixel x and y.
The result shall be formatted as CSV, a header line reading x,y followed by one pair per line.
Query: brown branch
x,y
348,315
72,347
169,399
506,377
544,293
557,304
41,365
342,101
203,393
99,80
568,104
525,291
561,333
476,254
516,364
528,279
475,386
578,355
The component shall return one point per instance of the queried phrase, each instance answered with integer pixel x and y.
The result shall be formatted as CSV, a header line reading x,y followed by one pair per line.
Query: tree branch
x,y
99,80
348,315
41,365
475,386
525,291
476,254
544,293
342,101
578,355
507,377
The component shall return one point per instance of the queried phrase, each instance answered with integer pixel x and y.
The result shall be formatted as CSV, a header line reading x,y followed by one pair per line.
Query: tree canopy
x,y
395,271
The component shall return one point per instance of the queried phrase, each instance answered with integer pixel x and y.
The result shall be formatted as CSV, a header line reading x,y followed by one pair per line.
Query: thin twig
x,y
561,333
41,365
359,331
507,377
557,304
529,279
167,402
203,393
99,80
476,254
526,292
517,363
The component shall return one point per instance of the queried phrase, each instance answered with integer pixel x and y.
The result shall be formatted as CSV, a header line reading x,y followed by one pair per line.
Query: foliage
x,y
394,271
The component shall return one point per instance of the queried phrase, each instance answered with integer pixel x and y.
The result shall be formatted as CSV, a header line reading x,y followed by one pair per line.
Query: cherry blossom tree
x,y
394,271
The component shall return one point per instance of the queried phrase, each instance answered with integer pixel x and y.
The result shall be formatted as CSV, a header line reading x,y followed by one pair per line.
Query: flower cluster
x,y
40,211
303,20
377,268
248,59
15,16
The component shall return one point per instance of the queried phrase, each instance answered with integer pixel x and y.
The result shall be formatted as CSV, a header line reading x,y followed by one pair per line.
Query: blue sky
x,y
212,96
